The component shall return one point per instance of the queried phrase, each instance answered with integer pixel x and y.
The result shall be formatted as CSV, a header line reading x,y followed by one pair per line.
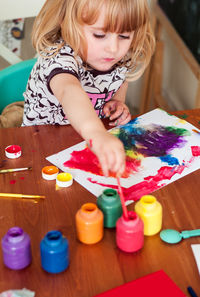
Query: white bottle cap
x,y
64,179
50,172
13,151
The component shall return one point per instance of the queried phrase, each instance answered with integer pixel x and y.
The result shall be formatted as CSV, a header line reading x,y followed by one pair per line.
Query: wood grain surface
x,y
102,266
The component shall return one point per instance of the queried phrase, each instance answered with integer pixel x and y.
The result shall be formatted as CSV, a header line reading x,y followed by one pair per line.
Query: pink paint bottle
x,y
130,233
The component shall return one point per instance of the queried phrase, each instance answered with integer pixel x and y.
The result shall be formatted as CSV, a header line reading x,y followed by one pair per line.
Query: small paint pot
x,y
54,252
64,179
50,172
130,233
150,211
110,204
89,223
16,249
13,151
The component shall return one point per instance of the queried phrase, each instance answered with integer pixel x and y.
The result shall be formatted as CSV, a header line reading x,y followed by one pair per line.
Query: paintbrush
x,y
23,196
15,169
121,195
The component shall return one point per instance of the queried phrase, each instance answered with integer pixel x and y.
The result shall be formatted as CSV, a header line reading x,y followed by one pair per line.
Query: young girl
x,y
89,50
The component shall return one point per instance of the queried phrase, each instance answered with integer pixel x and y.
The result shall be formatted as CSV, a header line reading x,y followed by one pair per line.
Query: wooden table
x,y
93,268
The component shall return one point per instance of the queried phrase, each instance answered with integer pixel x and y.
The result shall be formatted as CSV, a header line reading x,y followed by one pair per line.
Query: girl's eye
x,y
124,36
99,35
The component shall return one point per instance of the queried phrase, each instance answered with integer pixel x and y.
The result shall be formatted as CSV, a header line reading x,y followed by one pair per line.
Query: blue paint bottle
x,y
54,252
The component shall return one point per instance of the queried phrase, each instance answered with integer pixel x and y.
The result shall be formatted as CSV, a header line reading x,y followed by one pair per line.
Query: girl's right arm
x,y
82,116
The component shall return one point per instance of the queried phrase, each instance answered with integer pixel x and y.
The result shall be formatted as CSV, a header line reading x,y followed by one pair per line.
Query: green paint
x,y
171,115
110,204
179,131
183,116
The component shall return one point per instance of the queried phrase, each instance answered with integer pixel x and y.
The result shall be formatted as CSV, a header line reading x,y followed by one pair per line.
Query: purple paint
x,y
16,249
159,141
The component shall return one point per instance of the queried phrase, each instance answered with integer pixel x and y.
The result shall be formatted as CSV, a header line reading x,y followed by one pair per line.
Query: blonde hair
x,y
63,19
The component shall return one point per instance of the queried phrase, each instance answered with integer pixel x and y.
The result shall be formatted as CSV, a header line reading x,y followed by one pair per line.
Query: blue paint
x,y
169,160
156,140
54,251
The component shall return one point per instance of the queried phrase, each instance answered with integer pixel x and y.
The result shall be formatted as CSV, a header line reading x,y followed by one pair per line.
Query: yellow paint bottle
x,y
150,211
89,223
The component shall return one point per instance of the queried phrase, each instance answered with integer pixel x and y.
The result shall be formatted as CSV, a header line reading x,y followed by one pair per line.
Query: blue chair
x,y
13,81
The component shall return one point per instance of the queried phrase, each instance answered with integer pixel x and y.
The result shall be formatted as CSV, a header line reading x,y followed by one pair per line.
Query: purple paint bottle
x,y
16,249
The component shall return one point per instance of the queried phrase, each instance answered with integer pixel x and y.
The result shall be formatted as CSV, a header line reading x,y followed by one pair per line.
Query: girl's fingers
x,y
108,108
124,118
108,162
121,162
104,164
110,153
117,113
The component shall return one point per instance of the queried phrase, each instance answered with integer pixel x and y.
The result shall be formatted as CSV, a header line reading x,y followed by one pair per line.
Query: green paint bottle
x,y
110,204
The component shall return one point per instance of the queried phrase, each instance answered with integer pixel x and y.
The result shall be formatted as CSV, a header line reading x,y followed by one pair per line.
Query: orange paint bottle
x,y
89,223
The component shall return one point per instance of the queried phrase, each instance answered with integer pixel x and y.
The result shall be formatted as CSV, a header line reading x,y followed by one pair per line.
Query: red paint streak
x,y
13,149
90,143
121,195
149,185
195,151
12,181
21,177
86,160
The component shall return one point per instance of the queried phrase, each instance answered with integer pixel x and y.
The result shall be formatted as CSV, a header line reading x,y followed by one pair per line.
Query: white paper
x,y
147,178
196,252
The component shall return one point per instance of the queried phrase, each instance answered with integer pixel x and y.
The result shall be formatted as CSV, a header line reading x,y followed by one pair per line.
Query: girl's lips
x,y
108,59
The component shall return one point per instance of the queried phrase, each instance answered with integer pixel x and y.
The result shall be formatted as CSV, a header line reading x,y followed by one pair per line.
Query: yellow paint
x,y
150,211
115,131
134,155
180,121
57,187
64,177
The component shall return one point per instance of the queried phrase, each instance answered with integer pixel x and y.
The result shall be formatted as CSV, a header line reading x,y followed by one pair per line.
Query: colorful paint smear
x,y
79,160
150,183
160,148
139,143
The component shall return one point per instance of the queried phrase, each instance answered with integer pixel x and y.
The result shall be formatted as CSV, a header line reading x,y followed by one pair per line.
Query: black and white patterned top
x,y
42,107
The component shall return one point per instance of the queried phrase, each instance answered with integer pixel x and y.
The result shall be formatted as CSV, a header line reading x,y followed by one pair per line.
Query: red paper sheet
x,y
157,284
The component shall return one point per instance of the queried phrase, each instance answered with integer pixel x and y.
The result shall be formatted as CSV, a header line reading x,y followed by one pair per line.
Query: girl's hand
x,y
117,111
109,151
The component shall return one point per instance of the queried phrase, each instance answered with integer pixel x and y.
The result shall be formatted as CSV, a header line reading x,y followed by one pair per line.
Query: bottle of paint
x,y
89,223
16,249
110,204
130,233
54,252
150,211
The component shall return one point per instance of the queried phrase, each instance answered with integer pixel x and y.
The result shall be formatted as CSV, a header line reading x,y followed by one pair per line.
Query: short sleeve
x,y
63,62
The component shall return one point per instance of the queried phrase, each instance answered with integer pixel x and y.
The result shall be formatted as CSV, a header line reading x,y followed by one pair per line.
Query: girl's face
x,y
105,49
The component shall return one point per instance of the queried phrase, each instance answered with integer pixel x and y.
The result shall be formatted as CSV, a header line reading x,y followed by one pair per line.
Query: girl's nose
x,y
112,44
